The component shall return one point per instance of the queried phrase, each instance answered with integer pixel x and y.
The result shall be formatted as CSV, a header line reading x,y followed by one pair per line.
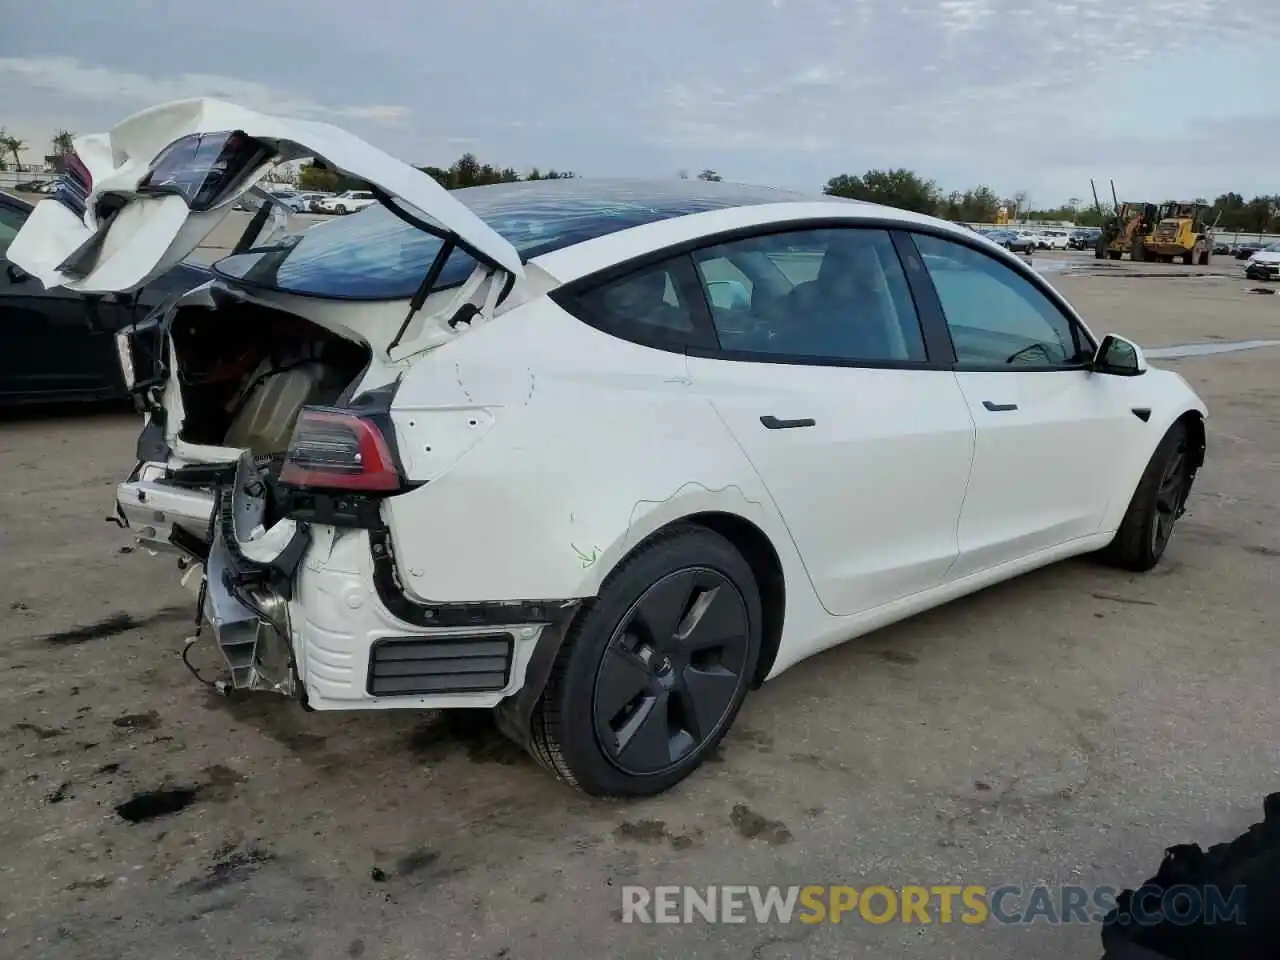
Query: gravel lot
x,y
1063,728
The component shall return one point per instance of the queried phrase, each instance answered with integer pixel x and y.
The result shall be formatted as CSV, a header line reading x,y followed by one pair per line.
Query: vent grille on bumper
x,y
473,664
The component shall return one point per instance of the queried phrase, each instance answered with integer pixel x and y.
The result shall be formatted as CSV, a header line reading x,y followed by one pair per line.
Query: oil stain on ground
x,y
229,867
459,730
151,804
753,826
651,832
115,624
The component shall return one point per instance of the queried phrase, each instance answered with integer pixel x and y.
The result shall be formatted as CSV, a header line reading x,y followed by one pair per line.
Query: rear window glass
x,y
373,255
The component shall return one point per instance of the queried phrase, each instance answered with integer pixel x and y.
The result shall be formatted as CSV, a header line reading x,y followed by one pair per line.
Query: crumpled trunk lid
x,y
145,194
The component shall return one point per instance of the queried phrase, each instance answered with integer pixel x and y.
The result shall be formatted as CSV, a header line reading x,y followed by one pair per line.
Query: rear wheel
x,y
1204,258
1156,505
651,677
1114,254
1189,257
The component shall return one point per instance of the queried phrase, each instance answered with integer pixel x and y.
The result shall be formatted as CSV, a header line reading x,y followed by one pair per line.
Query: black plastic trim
x,y
933,323
773,423
278,574
152,446
386,581
1142,413
999,407
486,646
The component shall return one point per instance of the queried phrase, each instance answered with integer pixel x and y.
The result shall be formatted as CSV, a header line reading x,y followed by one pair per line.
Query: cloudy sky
x,y
1169,97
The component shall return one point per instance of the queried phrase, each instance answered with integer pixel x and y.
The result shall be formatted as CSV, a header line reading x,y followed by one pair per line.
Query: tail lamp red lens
x,y
335,449
75,185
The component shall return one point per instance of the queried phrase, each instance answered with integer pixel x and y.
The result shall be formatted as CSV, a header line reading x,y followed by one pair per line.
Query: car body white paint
x,y
548,450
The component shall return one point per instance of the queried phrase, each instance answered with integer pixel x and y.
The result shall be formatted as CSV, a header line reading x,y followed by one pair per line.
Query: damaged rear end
x,y
268,446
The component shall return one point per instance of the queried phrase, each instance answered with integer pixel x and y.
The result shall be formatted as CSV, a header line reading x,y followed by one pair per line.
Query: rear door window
x,y
828,294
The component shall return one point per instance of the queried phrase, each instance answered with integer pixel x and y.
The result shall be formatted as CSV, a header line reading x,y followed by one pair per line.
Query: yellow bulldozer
x,y
1125,229
1181,231
1147,231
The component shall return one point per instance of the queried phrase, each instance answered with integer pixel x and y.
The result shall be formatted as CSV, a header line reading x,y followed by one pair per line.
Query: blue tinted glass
x,y
373,255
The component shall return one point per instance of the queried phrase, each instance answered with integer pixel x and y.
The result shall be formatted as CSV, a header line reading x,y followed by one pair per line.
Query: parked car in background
x,y
1264,264
1084,238
1245,250
1222,249
56,345
1014,240
309,198
1053,239
347,202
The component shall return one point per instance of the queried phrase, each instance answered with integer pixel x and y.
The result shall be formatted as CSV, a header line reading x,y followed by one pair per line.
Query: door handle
x,y
999,407
773,423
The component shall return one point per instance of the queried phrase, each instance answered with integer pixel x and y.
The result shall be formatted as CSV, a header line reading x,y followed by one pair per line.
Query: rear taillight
x,y
74,186
205,169
335,449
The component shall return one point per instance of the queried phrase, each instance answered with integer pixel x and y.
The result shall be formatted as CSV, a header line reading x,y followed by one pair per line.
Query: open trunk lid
x,y
140,198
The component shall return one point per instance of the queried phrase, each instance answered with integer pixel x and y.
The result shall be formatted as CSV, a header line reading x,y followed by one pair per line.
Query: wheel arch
x,y
1193,420
758,550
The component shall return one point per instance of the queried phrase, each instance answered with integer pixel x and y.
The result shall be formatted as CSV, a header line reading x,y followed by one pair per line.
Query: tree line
x,y
909,191
466,171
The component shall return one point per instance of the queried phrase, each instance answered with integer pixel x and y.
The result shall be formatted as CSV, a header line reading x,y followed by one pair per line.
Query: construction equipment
x,y
1181,231
1126,229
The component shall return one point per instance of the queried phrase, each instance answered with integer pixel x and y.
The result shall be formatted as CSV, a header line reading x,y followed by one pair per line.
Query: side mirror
x,y
1119,357
16,273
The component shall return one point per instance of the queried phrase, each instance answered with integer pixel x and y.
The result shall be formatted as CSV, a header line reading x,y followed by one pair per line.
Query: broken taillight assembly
x,y
205,169
74,186
334,449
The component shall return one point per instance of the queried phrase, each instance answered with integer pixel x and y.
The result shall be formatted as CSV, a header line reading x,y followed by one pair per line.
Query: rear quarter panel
x,y
547,450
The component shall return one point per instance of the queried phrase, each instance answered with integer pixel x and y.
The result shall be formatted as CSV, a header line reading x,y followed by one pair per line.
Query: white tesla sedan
x,y
600,455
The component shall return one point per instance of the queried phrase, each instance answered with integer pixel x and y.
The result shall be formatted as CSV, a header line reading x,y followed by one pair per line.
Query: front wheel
x,y
340,209
1156,505
650,678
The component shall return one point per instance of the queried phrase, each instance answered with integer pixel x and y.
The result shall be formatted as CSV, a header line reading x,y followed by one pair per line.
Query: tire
x,y
624,662
1156,505
1099,252
1204,258
1137,251
1115,254
340,209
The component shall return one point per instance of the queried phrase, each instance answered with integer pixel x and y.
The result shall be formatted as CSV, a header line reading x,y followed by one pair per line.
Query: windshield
x,y
373,255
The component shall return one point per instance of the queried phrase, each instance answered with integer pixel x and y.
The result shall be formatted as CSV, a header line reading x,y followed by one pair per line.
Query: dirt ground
x,y
1062,728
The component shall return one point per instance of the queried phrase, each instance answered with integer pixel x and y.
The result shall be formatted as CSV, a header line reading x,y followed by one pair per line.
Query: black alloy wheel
x,y
1171,494
651,674
672,671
